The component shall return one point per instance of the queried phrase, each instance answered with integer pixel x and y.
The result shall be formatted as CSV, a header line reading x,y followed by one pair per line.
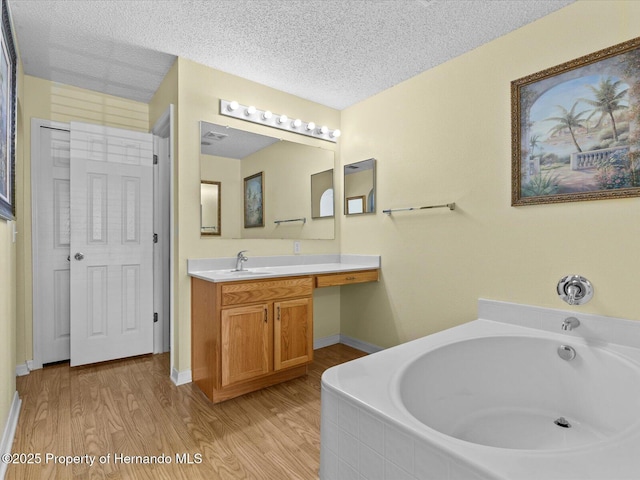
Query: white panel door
x,y
111,243
51,217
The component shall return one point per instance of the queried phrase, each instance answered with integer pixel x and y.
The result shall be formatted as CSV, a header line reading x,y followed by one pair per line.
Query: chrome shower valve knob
x,y
575,289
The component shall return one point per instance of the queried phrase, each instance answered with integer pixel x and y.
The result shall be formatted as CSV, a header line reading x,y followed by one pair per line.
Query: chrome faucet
x,y
240,259
570,323
575,289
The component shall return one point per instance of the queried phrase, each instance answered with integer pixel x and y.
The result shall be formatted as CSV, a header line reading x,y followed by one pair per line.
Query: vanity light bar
x,y
266,117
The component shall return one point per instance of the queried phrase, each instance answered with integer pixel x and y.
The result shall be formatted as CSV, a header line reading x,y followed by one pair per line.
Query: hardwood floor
x,y
131,408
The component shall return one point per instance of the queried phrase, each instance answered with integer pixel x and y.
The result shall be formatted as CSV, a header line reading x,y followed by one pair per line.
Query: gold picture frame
x,y
575,129
7,118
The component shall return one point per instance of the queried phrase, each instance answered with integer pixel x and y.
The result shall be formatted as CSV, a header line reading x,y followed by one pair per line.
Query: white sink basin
x,y
246,272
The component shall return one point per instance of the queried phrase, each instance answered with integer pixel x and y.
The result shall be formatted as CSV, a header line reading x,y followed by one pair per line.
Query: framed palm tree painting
x,y
575,129
7,117
254,201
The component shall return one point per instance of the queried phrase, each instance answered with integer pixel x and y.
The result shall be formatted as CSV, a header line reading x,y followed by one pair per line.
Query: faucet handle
x,y
241,252
575,289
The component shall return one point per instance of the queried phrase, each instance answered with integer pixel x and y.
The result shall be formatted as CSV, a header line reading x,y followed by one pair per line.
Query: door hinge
x,y
155,159
155,317
155,238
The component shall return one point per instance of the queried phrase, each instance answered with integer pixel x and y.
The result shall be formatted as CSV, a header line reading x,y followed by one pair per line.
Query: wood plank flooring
x,y
131,408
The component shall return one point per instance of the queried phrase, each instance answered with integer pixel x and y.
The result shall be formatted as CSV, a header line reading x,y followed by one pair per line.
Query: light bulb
x,y
336,133
267,115
324,129
233,106
311,126
282,119
250,110
296,123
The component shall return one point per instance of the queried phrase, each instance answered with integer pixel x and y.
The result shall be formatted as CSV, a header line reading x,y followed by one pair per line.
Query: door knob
x,y
79,256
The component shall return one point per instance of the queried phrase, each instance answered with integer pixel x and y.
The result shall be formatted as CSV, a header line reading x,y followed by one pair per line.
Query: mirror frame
x,y
219,231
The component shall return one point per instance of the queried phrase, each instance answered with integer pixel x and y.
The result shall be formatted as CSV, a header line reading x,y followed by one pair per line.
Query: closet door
x,y
51,237
111,243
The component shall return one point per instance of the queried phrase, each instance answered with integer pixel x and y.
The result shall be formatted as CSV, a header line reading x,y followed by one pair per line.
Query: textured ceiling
x,y
228,142
333,52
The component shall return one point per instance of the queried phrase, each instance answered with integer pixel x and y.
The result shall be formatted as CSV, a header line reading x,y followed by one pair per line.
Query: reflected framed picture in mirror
x,y
355,205
254,201
210,207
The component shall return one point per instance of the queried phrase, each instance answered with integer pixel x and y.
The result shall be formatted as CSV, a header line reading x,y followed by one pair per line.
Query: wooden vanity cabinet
x,y
251,334
347,278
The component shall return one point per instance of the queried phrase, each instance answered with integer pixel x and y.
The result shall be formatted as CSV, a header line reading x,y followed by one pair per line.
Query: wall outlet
x,y
296,247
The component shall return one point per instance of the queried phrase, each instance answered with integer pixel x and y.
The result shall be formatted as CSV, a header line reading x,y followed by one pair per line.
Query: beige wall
x,y
444,136
7,321
196,91
9,275
62,103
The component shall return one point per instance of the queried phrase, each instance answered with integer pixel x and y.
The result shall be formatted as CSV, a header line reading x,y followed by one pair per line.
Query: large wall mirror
x,y
232,157
360,187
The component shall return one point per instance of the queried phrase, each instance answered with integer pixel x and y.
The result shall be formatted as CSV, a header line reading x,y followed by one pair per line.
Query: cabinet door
x,y
246,346
293,333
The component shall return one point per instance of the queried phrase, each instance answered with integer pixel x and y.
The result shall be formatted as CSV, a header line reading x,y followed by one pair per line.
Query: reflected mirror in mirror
x,y
229,155
322,194
210,208
360,187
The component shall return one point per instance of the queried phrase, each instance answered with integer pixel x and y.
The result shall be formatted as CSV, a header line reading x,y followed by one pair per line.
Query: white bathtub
x,y
479,401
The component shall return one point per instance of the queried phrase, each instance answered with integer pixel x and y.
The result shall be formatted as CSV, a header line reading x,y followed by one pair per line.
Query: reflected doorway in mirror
x,y
210,207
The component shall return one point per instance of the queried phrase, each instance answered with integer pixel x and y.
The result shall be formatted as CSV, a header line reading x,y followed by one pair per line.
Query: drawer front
x,y
236,293
346,278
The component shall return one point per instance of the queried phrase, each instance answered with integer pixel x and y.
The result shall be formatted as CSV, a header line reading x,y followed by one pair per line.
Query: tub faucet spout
x,y
570,323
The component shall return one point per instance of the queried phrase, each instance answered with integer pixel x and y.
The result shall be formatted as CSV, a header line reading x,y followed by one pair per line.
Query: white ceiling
x,y
333,52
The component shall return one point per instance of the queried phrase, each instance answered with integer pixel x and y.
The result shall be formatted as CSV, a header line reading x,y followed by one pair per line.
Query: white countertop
x,y
221,269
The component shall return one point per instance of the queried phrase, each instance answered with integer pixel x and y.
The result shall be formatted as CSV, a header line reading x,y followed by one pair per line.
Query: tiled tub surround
x,y
216,269
368,433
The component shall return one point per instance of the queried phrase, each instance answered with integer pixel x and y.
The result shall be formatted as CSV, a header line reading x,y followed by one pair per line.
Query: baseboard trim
x,y
10,431
359,344
180,378
325,341
22,370
346,340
